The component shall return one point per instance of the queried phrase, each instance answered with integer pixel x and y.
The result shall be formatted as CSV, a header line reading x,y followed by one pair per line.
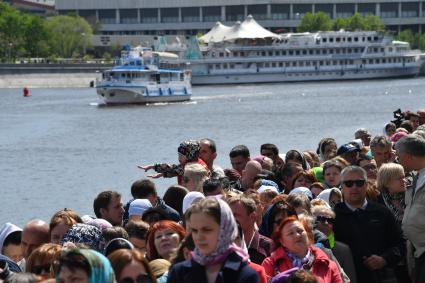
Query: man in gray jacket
x,y
411,153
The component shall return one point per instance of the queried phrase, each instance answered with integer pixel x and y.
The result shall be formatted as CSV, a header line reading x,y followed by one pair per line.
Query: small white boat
x,y
143,76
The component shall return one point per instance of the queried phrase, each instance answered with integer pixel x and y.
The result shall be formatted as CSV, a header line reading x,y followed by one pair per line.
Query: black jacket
x,y
232,271
372,231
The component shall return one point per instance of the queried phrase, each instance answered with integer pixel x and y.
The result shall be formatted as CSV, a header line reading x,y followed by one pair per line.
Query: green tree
x,y
70,35
340,23
374,23
408,36
356,22
314,22
11,31
36,36
421,42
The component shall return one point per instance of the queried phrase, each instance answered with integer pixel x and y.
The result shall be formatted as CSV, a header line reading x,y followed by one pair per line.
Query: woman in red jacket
x,y
294,242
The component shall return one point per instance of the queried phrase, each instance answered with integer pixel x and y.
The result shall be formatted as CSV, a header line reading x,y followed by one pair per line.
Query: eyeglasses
x,y
40,269
324,219
142,278
350,183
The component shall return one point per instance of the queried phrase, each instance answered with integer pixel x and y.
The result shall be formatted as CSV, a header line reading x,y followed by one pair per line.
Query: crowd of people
x,y
342,213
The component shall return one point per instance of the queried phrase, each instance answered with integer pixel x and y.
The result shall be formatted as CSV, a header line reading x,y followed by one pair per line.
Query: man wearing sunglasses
x,y
368,228
411,154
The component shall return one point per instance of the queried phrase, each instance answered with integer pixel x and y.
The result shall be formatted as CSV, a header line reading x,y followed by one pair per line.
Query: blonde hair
x,y
321,210
197,173
385,173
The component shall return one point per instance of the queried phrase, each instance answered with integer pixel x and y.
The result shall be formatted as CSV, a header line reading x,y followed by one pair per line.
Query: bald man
x,y
35,233
252,169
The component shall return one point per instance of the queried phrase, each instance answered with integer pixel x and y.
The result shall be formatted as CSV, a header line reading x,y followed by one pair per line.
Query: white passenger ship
x,y
143,76
248,53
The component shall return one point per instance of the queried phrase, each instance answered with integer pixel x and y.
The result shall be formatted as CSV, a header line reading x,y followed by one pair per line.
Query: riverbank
x,y
43,75
51,80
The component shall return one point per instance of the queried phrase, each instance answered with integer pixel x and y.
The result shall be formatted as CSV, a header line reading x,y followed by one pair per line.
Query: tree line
x,y
25,35
320,21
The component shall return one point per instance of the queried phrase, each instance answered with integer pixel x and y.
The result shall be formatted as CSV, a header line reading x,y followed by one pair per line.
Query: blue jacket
x,y
232,271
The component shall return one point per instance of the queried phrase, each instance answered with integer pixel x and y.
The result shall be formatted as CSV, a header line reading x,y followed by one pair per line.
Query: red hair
x,y
162,225
277,233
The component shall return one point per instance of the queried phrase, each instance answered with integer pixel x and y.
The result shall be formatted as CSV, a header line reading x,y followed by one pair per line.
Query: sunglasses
x,y
142,278
324,219
350,183
40,269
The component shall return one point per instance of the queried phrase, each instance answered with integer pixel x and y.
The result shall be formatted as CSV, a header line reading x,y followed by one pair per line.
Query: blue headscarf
x,y
100,268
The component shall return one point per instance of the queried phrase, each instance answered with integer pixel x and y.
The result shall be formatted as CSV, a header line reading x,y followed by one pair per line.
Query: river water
x,y
60,148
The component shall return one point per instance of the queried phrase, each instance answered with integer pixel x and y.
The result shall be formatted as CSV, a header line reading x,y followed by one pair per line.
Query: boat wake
x,y
232,96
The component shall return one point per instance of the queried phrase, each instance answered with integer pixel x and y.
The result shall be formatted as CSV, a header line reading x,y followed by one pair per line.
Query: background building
x,y
124,19
34,6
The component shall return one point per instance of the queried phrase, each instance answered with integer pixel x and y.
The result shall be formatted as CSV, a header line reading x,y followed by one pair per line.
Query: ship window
x,y
356,39
263,53
370,61
311,52
224,66
217,66
390,49
304,52
331,51
337,39
349,39
324,39
221,54
328,63
382,50
331,39
291,52
349,50
337,51
325,51
270,53
375,38
308,63
274,65
321,63
267,65
232,66
334,62
384,61
280,64
284,52
286,64
369,38
301,64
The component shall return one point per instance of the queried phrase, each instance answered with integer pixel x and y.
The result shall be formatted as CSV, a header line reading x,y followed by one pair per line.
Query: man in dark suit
x,y
368,228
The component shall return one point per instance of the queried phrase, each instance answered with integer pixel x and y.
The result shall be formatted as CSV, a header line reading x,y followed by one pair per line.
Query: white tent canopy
x,y
248,29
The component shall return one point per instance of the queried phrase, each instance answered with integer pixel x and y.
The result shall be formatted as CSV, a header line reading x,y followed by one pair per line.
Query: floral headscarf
x,y
100,268
88,235
190,149
225,243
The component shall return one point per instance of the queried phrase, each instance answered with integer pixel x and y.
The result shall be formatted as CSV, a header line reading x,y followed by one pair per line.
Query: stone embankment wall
x,y
50,75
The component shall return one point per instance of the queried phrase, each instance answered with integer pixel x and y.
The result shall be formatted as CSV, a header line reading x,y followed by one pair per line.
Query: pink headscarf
x,y
226,239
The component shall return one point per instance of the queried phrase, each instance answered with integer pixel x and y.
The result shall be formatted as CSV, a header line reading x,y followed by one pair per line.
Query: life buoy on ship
x,y
26,92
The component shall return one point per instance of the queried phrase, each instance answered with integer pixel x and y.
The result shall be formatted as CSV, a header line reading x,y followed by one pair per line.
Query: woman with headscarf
x,y
188,153
216,257
295,248
84,265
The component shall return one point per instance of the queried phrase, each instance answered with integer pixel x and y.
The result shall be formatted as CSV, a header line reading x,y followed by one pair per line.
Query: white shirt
x,y
354,209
